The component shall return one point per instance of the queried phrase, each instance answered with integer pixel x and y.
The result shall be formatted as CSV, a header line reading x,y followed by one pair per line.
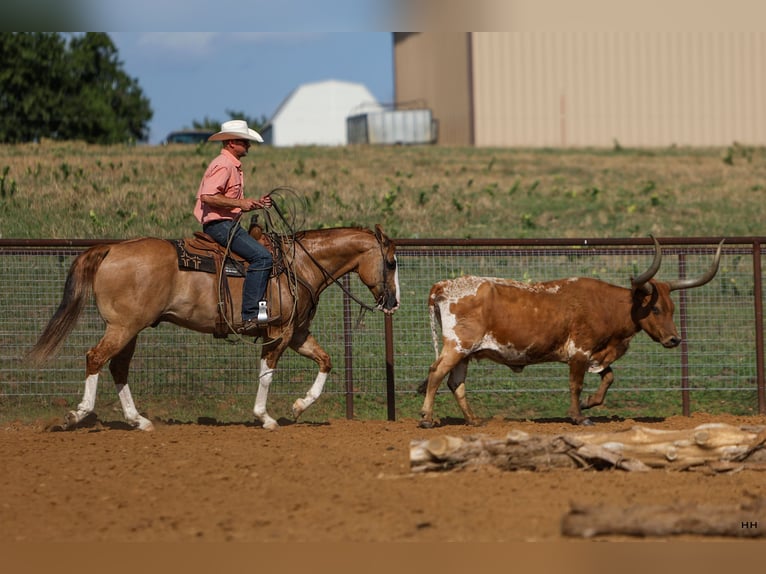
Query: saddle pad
x,y
188,261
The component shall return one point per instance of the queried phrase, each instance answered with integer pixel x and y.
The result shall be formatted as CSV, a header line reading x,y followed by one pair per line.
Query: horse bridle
x,y
343,288
385,293
364,306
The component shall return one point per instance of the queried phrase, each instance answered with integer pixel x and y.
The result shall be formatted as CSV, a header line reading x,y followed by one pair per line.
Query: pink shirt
x,y
224,176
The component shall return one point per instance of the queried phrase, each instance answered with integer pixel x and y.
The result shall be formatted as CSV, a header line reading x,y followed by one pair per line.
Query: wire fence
x,y
721,324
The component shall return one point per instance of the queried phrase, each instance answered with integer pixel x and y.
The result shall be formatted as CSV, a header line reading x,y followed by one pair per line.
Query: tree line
x,y
68,87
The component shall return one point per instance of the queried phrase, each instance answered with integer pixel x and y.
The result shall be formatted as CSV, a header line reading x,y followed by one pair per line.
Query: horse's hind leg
x,y
120,350
87,404
119,367
94,361
310,348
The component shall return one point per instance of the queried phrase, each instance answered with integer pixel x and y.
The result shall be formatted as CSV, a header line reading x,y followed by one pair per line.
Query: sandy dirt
x,y
339,481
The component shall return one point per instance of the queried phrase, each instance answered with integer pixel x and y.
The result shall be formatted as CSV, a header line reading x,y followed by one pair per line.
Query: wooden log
x,y
744,520
716,447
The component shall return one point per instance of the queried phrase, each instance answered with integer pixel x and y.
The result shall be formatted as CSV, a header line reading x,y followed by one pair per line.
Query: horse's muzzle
x,y
388,303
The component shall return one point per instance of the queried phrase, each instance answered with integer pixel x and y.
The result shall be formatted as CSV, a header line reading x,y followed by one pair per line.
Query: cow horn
x,y
641,280
702,279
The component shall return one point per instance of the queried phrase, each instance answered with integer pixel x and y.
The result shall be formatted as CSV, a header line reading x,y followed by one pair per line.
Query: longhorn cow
x,y
583,322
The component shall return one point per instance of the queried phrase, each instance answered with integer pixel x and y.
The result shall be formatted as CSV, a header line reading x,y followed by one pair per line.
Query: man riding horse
x,y
220,203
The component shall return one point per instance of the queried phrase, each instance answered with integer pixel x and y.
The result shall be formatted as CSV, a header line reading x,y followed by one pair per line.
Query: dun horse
x,y
137,284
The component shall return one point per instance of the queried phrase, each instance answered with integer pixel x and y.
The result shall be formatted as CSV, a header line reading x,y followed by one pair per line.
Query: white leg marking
x,y
312,395
87,404
129,410
264,382
396,282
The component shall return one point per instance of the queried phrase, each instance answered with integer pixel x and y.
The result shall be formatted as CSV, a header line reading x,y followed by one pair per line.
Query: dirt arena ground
x,y
339,481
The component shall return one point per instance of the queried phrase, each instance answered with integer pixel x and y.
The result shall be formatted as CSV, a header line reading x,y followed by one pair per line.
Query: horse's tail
x,y
436,324
78,287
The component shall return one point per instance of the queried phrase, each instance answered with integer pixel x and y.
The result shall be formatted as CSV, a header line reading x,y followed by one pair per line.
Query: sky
x,y
189,73
190,76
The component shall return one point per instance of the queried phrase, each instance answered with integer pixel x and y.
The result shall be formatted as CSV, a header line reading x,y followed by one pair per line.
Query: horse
x,y
137,284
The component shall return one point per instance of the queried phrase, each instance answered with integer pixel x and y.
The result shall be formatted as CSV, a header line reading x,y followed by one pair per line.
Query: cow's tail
x,y
436,325
77,289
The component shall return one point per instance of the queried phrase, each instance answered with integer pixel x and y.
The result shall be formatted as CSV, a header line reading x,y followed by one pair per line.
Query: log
x,y
744,520
715,447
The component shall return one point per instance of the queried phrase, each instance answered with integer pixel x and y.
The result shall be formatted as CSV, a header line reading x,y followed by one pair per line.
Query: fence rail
x,y
721,324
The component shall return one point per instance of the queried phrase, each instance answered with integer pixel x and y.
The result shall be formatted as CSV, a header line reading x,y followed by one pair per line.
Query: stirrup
x,y
263,314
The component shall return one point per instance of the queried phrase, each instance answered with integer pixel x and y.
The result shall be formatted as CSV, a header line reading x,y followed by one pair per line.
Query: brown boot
x,y
254,324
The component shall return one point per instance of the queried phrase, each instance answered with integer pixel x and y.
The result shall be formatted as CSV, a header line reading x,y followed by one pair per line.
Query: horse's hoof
x,y
74,419
145,425
70,420
426,424
299,406
270,424
586,422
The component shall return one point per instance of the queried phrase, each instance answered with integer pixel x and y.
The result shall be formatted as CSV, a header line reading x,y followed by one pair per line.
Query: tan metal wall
x,y
433,70
585,88
636,88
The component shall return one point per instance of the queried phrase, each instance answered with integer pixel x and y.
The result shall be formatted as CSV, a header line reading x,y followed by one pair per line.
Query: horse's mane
x,y
301,234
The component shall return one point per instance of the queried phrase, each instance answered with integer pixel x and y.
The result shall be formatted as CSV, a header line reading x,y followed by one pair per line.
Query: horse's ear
x,y
379,233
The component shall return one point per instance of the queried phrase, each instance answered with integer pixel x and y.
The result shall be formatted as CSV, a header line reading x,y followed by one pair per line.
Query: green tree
x,y
214,125
51,88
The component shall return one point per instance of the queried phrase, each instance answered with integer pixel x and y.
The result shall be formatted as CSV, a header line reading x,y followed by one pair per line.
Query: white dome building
x,y
315,114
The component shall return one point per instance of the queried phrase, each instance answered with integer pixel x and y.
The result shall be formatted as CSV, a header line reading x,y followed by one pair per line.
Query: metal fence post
x,y
390,381
685,400
758,298
348,348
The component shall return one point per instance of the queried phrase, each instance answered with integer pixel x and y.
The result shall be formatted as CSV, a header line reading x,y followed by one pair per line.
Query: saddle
x,y
204,254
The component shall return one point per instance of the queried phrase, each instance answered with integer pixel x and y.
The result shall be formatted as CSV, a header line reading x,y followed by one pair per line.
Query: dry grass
x,y
73,190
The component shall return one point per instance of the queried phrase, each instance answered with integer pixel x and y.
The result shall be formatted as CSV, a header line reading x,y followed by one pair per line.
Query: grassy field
x,y
75,191
52,190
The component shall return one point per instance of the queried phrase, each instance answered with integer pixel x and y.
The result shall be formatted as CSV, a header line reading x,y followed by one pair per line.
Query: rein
x,y
289,266
364,307
332,279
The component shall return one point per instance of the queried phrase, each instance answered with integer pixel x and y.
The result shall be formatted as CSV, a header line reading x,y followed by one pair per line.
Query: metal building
x,y
581,88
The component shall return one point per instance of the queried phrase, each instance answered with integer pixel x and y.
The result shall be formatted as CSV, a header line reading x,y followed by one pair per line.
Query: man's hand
x,y
264,202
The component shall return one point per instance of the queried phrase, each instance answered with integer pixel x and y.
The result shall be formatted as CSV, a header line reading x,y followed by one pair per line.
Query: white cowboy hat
x,y
235,130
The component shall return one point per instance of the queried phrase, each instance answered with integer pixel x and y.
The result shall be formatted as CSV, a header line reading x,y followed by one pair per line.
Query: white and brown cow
x,y
583,322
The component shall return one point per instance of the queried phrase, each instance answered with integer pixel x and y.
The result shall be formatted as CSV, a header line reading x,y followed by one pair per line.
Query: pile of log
x,y
744,520
714,447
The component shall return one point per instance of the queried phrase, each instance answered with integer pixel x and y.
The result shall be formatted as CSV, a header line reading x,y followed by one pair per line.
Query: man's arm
x,y
245,204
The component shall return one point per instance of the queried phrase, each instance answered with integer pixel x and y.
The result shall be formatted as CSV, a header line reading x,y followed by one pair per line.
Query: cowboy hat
x,y
235,130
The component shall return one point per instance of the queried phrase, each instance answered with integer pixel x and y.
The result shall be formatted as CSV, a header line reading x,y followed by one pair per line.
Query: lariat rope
x,y
364,306
278,245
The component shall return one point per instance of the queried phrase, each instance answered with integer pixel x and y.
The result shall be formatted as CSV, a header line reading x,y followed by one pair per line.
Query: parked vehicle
x,y
188,137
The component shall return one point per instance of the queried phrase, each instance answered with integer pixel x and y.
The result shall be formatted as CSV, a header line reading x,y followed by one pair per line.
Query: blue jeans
x,y
258,257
